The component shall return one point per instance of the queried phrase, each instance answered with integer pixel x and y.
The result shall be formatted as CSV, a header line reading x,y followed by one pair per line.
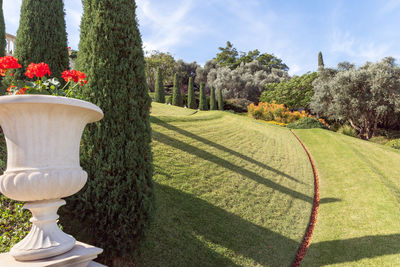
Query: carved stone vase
x,y
43,136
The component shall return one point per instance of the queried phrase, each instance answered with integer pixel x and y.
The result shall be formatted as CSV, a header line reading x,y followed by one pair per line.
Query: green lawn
x,y
230,191
359,216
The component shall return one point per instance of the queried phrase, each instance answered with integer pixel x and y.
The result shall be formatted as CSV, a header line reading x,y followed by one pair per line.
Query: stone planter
x,y
43,136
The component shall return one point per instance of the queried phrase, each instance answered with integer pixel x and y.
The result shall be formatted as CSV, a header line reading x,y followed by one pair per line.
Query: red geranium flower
x,y
74,75
39,70
8,62
21,91
9,89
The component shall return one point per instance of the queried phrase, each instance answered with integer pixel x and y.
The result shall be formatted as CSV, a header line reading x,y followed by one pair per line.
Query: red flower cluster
x,y
8,62
75,76
38,70
11,89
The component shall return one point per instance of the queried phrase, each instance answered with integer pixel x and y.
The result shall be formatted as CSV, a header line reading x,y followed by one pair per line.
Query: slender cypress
x,y
213,104
220,100
159,94
191,96
41,36
320,61
2,31
176,93
203,98
116,206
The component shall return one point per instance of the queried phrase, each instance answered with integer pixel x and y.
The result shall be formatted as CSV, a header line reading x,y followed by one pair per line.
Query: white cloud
x,y
73,10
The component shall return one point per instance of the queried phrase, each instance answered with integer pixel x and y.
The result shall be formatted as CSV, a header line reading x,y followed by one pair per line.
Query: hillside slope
x,y
359,216
230,191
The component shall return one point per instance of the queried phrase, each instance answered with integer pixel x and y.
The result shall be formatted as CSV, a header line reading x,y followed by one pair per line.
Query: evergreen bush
x,y
116,206
159,95
176,92
191,95
213,104
348,130
395,143
203,98
41,36
220,100
307,123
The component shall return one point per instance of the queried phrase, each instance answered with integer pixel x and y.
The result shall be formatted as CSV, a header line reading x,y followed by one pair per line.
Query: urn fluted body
x,y
43,136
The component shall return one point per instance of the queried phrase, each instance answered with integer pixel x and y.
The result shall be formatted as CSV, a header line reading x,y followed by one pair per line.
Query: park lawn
x,y
358,220
229,191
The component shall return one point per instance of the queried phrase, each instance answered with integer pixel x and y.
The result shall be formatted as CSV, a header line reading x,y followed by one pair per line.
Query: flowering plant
x,y
42,84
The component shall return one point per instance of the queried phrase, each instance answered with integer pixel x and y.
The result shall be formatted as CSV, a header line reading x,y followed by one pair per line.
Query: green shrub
x,y
307,123
348,130
177,99
395,143
159,94
116,206
238,105
202,98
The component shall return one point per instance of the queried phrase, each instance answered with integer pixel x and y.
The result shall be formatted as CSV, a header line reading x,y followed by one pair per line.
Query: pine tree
x,y
203,98
41,36
213,105
2,31
191,95
320,61
220,100
116,206
159,95
176,92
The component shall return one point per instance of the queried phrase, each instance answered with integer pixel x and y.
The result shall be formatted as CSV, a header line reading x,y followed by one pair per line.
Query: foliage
x,y
220,100
395,143
231,58
41,36
2,31
277,112
177,99
238,105
364,97
320,62
203,98
213,104
347,130
295,93
246,81
164,61
116,206
185,70
307,123
159,90
191,96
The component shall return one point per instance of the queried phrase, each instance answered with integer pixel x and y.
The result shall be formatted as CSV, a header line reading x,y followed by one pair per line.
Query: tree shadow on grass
x,y
220,147
353,249
189,231
167,140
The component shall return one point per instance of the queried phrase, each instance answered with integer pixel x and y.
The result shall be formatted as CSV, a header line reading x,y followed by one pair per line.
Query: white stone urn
x,y
43,136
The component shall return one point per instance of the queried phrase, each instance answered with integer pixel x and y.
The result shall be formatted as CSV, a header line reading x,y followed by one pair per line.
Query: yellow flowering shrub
x,y
276,112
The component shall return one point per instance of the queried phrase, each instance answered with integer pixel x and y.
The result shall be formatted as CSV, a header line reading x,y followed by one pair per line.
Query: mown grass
x,y
358,222
230,191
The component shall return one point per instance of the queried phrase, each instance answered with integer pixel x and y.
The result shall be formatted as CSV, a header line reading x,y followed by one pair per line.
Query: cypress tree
x,y
2,31
320,61
41,36
203,98
159,95
220,100
191,95
213,105
176,93
116,206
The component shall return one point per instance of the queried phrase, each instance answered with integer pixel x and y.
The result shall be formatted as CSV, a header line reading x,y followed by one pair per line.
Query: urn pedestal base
x,y
81,255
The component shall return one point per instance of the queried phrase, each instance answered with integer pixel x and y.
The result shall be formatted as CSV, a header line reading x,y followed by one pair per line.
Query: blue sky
x,y
353,30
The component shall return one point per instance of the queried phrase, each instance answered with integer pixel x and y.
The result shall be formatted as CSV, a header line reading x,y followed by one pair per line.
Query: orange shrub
x,y
276,112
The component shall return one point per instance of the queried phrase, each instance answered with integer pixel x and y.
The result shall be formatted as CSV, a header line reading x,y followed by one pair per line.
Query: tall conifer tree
x,y
2,31
41,36
159,94
203,98
220,100
191,95
117,204
320,61
176,92
213,105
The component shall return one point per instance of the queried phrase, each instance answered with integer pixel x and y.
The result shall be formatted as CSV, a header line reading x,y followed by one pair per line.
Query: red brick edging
x,y
314,212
